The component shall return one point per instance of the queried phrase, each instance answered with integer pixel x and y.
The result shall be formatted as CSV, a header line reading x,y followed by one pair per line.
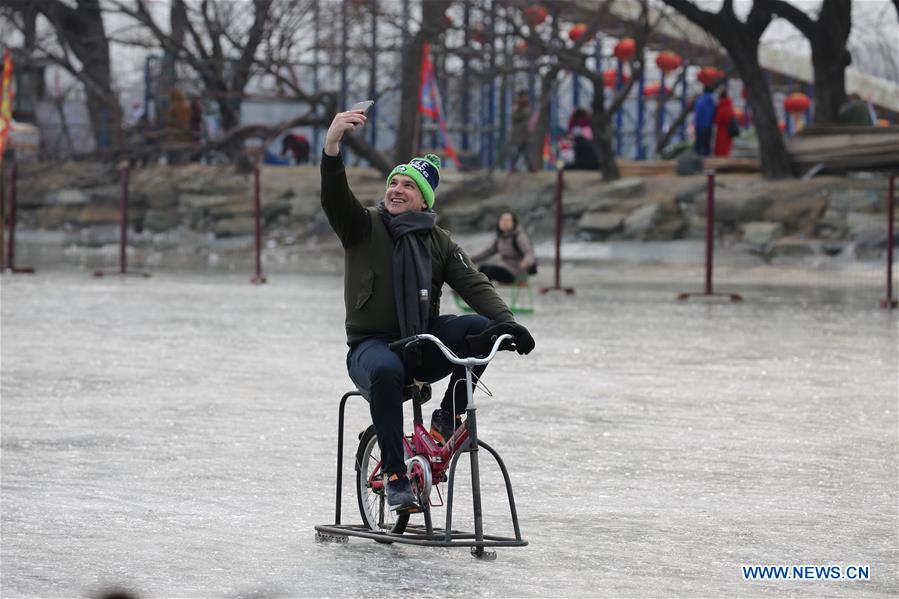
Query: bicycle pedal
x,y
412,509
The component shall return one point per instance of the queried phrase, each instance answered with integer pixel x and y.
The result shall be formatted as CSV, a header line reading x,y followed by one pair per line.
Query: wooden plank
x,y
726,164
853,162
849,154
845,129
840,142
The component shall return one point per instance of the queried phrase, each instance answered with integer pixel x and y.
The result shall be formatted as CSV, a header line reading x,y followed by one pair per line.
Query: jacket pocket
x,y
366,290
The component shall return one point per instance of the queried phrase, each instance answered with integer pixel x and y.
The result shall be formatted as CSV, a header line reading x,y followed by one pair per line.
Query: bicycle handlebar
x,y
448,353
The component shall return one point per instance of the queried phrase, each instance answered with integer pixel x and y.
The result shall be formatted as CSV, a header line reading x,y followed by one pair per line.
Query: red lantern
x,y
709,76
625,49
653,88
535,14
610,78
782,126
577,31
797,103
668,61
521,47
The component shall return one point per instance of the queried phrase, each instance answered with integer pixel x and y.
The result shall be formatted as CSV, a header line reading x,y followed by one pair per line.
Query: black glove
x,y
481,344
524,342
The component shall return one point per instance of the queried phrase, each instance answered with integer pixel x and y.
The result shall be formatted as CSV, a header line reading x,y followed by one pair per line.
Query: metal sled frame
x,y
428,535
521,297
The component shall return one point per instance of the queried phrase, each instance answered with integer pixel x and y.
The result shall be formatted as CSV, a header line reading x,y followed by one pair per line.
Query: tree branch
x,y
799,19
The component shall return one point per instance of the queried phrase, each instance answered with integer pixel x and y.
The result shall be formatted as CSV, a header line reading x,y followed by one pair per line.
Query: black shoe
x,y
443,425
400,497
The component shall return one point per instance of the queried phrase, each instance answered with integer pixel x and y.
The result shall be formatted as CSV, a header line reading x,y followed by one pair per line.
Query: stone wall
x,y
827,215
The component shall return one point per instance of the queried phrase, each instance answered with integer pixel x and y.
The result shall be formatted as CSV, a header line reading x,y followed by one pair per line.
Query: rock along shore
x,y
206,210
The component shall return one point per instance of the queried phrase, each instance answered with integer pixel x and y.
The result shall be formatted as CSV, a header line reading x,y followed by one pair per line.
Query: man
x,y
396,261
856,111
297,145
517,146
703,118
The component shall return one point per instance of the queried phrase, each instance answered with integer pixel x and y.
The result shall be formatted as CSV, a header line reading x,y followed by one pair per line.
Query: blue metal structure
x,y
373,77
641,116
683,102
619,114
466,76
314,156
344,41
575,90
661,101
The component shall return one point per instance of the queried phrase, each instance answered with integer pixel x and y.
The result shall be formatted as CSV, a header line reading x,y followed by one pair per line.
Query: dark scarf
x,y
411,268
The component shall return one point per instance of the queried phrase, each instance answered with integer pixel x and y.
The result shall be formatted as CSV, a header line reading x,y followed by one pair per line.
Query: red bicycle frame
x,y
421,443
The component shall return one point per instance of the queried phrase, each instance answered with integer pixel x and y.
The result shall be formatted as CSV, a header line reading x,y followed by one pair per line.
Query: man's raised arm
x,y
345,214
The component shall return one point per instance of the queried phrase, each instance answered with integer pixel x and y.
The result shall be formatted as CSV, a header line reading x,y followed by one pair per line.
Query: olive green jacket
x,y
368,263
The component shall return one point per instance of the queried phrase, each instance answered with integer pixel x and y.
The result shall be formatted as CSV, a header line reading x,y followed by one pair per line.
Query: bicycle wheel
x,y
373,502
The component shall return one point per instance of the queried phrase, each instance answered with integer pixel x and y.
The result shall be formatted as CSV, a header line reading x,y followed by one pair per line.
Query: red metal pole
x,y
710,246
889,302
258,209
123,221
558,259
709,230
11,240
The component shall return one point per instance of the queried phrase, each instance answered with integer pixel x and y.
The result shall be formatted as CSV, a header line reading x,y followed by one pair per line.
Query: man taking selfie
x,y
396,261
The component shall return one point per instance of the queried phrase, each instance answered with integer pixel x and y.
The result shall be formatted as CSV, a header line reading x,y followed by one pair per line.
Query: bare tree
x,y
601,115
433,24
828,36
283,57
227,46
219,41
550,55
82,48
741,41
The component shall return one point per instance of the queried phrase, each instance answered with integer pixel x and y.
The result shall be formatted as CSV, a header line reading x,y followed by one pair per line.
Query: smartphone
x,y
363,106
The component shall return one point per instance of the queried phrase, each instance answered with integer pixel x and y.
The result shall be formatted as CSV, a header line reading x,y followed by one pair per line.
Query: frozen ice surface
x,y
176,435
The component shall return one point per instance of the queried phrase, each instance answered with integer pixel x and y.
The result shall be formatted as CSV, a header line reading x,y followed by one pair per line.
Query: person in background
x,y
177,126
297,146
515,251
579,123
581,134
856,111
703,118
724,119
517,146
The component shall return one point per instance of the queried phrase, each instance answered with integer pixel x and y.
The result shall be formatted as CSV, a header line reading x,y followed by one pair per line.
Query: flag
x,y
5,101
429,104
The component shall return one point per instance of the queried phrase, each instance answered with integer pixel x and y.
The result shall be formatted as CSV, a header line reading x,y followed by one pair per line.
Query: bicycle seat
x,y
420,391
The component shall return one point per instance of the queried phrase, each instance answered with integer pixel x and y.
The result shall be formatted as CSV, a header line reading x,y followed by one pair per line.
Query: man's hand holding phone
x,y
353,118
362,107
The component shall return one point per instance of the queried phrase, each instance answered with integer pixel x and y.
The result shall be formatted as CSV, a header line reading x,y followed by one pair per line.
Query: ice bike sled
x,y
428,465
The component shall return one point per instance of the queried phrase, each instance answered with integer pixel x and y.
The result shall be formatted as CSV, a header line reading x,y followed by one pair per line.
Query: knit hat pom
x,y
433,159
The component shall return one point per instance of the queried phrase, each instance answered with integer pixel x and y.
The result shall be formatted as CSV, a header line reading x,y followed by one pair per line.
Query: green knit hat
x,y
425,171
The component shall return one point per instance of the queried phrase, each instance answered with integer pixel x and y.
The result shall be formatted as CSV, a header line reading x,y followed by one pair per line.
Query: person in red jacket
x,y
724,115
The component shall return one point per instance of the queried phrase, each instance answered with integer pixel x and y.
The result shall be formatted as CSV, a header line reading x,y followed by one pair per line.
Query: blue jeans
x,y
381,375
703,145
